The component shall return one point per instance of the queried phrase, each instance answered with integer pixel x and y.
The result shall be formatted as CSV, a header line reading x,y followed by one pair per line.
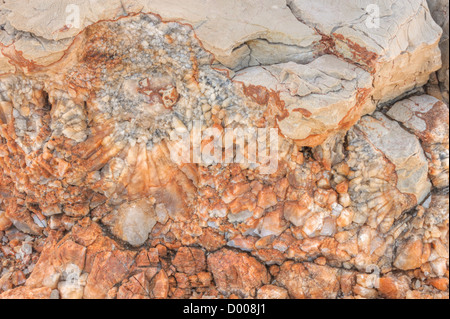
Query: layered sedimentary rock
x,y
321,97
116,176
397,41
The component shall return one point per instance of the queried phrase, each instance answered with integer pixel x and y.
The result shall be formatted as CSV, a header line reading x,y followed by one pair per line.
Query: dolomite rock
x,y
398,42
323,96
249,37
86,153
57,260
5,223
427,118
160,285
100,280
379,189
393,286
97,150
403,150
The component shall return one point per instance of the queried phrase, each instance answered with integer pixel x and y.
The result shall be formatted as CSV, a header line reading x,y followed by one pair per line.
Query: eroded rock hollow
x,y
224,149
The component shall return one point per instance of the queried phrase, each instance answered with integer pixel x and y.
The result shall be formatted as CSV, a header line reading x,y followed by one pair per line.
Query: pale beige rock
x,y
402,149
428,119
321,97
133,221
400,48
377,205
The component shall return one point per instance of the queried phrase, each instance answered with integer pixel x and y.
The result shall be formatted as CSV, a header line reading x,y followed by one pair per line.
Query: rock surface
x,y
427,118
396,41
323,96
116,180
236,40
402,149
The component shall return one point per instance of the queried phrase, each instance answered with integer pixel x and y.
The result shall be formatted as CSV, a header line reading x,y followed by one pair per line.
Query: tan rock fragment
x,y
159,286
137,287
133,221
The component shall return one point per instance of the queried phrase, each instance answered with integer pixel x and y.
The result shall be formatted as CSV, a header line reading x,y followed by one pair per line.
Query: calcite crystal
x,y
223,149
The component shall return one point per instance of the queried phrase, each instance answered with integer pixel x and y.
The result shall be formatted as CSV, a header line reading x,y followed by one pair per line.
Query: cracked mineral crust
x,y
224,149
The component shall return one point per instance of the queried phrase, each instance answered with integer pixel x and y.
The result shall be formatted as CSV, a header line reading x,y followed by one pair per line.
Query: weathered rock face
x,y
427,118
323,96
236,40
99,197
402,149
396,41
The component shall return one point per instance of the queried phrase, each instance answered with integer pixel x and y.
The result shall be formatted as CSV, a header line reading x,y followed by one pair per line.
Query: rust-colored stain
x,y
257,93
434,118
17,59
354,114
304,112
359,53
168,95
64,28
